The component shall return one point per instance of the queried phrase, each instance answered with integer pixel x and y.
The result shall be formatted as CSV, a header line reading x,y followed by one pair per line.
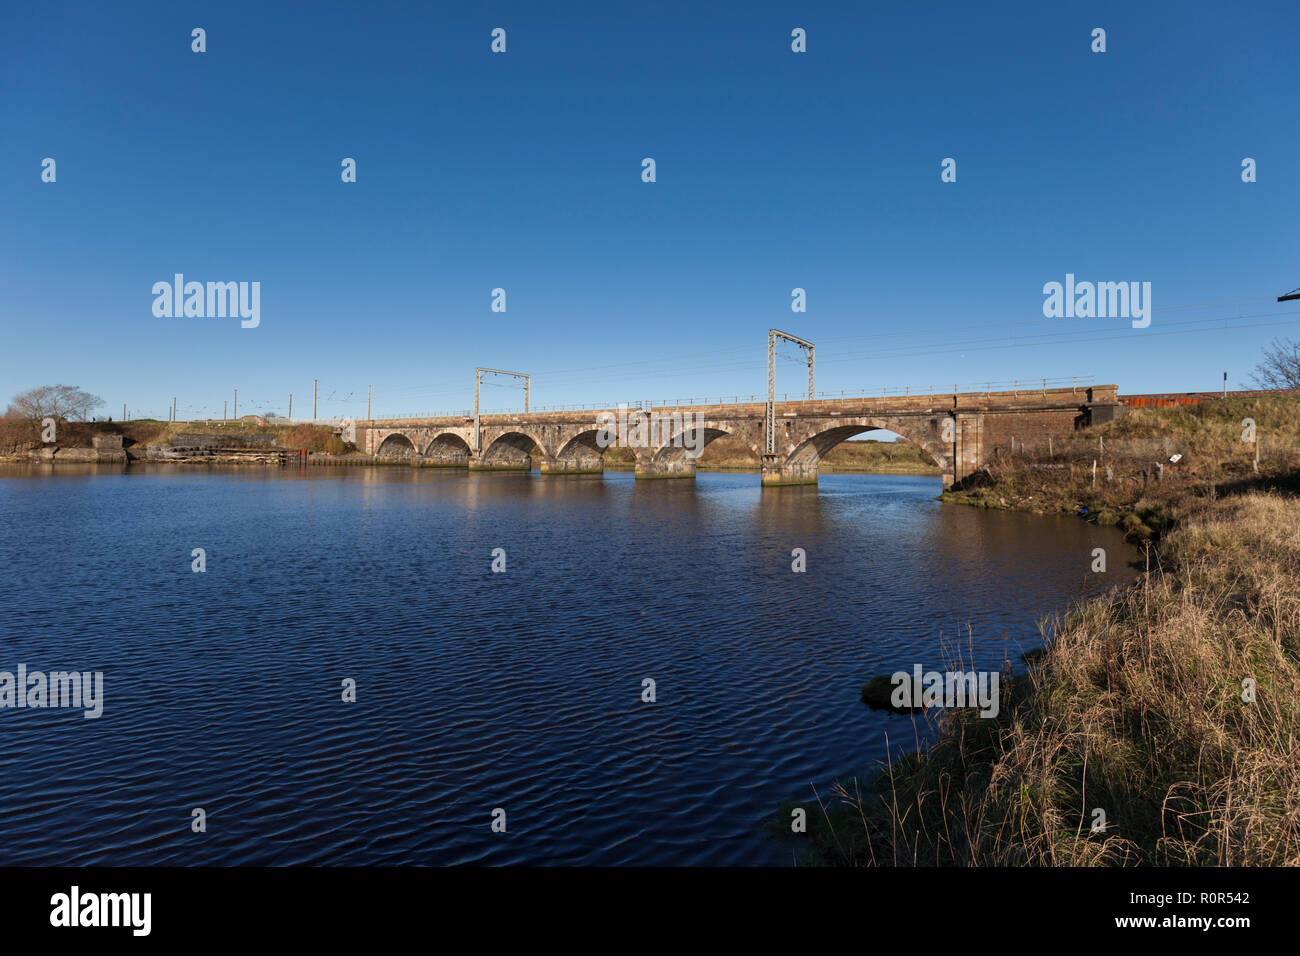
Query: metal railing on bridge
x,y
900,391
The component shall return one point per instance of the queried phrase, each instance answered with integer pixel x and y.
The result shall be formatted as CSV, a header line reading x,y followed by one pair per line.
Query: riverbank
x,y
1135,710
234,442
1150,467
1160,725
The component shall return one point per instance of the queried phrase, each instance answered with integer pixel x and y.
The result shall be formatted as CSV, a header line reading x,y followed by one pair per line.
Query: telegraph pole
x,y
369,394
173,408
291,407
236,404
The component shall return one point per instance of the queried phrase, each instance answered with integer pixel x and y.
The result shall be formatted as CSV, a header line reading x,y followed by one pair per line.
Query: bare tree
x,y
1281,366
53,401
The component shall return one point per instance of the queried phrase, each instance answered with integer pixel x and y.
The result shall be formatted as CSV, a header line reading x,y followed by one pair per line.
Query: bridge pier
x,y
572,466
679,466
777,471
500,462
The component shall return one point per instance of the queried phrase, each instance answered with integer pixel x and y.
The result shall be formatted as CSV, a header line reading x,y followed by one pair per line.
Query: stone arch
x,y
583,451
583,444
448,449
809,452
396,445
510,450
675,448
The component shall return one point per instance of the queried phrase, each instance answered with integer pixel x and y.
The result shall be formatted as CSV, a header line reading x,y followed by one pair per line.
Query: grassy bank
x,y
17,435
1136,707
1121,473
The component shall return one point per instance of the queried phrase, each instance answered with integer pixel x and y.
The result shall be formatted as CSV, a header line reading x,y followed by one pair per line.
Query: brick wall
x,y
1027,427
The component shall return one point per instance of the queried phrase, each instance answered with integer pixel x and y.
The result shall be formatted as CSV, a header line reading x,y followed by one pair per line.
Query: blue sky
x,y
522,170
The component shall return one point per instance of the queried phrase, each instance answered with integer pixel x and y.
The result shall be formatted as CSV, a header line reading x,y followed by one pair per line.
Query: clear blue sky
x,y
775,170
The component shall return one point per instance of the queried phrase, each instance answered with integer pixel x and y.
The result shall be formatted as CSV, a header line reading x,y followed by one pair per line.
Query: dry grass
x,y
1136,708
18,436
318,439
1134,484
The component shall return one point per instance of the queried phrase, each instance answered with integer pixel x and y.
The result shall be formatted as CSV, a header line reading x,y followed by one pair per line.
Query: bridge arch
x,y
583,445
809,452
583,452
448,449
396,445
698,437
512,449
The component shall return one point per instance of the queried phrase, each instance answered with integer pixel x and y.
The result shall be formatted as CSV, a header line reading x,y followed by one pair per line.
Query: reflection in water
x,y
477,690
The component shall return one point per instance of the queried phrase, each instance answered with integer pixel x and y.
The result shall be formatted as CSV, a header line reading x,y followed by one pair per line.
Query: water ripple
x,y
476,690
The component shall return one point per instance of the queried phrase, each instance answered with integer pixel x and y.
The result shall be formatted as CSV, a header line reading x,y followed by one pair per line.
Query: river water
x,y
520,690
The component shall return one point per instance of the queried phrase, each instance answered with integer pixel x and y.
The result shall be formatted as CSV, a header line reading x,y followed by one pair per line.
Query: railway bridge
x,y
958,431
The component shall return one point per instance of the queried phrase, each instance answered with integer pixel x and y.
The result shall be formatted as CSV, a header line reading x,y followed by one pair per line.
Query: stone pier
x,y
667,466
778,471
572,466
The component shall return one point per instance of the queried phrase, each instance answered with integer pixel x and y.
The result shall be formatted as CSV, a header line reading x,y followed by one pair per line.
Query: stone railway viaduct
x,y
960,432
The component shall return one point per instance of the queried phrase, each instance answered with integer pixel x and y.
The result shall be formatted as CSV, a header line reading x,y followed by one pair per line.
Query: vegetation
x,y
317,439
1280,367
1135,709
1135,484
18,434
1173,707
899,457
21,424
60,402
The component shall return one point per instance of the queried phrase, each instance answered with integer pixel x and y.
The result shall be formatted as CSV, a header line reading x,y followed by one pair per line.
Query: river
x,y
477,690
